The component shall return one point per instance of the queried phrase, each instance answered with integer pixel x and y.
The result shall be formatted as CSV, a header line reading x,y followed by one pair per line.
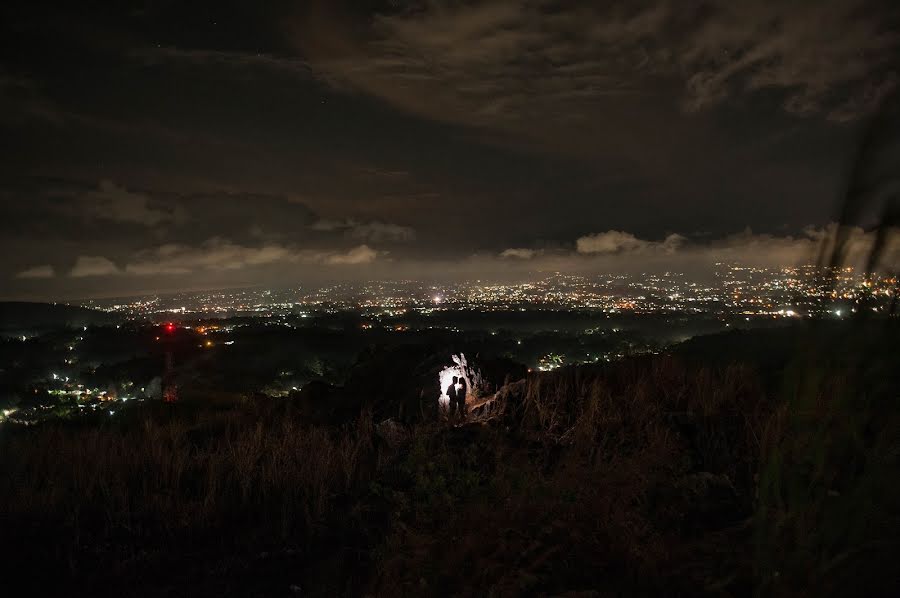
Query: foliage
x,y
655,475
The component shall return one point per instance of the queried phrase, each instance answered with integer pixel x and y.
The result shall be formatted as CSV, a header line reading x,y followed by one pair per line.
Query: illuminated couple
x,y
457,392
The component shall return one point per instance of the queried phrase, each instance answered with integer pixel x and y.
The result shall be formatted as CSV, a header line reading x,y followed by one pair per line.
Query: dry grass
x,y
587,478
828,509
610,412
220,483
644,477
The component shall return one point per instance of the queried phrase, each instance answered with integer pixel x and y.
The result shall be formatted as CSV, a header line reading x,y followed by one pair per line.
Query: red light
x,y
170,327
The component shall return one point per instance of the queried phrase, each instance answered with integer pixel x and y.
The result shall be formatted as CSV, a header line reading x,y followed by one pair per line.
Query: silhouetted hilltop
x,y
773,352
22,316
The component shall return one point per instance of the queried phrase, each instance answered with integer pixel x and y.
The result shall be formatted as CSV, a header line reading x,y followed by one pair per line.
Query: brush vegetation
x,y
667,475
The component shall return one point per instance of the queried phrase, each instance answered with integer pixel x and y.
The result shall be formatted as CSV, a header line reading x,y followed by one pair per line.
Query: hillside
x,y
653,475
19,317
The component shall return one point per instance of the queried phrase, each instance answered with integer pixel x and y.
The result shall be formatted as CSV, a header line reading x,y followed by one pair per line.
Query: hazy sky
x,y
169,144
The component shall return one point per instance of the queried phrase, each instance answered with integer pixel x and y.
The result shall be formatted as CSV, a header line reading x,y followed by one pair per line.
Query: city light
x,y
736,290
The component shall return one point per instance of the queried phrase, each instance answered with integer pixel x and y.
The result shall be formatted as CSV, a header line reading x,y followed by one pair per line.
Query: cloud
x,y
214,254
326,225
613,241
21,100
699,259
219,255
92,265
362,254
222,58
519,253
45,271
751,248
122,220
498,61
381,231
374,231
827,58
623,252
609,242
112,202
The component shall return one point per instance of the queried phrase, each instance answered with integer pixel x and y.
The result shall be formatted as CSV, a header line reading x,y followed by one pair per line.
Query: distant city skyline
x,y
749,291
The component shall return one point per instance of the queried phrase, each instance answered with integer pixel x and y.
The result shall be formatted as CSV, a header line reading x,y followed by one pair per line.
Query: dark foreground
x,y
739,465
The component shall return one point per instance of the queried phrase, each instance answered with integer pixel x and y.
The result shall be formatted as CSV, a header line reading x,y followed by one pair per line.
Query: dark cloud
x,y
368,231
21,100
512,61
616,242
223,255
93,265
112,202
521,253
45,271
620,250
81,210
243,61
119,231
166,145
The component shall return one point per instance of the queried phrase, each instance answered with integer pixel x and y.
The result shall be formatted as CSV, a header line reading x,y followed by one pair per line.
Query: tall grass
x,y
219,482
718,414
587,478
644,476
828,511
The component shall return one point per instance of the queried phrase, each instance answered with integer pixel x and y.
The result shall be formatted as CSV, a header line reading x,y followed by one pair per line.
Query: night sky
x,y
165,145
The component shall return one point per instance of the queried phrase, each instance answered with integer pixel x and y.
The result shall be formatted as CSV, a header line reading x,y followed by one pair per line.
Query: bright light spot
x,y
208,344
837,312
446,379
437,299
